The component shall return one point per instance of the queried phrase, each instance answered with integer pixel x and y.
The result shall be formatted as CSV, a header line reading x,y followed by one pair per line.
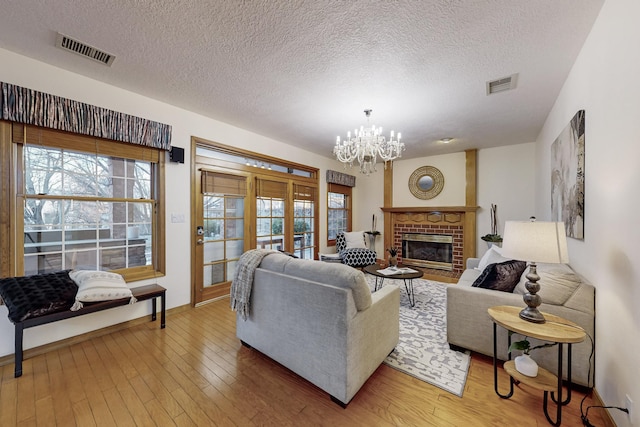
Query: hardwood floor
x,y
196,373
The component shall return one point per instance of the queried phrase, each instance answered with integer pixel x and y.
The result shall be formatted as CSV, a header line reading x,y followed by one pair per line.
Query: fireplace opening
x,y
428,250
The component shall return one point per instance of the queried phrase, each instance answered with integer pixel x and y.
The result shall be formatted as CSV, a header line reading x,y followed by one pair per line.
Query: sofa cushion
x,y
503,276
339,275
558,282
469,276
492,256
33,296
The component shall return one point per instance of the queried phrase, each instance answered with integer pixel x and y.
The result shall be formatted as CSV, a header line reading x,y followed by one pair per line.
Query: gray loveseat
x,y
563,293
321,321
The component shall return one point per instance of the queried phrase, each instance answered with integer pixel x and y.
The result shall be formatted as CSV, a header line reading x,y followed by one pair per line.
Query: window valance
x,y
335,177
28,106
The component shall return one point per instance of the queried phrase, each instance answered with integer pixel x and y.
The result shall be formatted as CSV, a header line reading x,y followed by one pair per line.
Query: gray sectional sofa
x,y
321,321
563,292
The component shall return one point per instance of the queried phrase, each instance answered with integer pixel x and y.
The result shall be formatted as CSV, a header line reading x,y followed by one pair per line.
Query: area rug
x,y
423,351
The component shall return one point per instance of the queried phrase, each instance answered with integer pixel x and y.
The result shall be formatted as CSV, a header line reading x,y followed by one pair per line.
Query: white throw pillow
x,y
492,256
99,286
355,239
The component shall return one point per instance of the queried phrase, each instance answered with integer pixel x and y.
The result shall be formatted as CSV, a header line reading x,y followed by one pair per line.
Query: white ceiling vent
x,y
75,46
502,84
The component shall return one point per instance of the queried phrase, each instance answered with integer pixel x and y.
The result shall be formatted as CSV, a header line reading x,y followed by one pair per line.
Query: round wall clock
x,y
426,182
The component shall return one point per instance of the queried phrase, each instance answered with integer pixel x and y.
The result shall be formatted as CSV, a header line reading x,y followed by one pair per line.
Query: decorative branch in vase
x,y
493,237
524,363
373,230
373,233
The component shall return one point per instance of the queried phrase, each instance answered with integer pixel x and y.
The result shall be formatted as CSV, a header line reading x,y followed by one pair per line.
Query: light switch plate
x,y
177,218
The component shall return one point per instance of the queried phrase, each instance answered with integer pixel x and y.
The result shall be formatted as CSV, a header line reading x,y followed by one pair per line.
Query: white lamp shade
x,y
536,241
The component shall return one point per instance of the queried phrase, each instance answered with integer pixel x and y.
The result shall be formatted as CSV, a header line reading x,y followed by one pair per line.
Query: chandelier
x,y
366,145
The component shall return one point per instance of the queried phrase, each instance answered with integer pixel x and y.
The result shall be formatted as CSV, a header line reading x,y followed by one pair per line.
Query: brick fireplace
x,y
457,222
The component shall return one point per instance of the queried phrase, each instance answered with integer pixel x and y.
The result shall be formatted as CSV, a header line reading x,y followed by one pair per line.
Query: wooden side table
x,y
556,330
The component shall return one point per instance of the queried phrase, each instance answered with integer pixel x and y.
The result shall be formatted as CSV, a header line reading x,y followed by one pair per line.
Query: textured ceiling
x,y
303,71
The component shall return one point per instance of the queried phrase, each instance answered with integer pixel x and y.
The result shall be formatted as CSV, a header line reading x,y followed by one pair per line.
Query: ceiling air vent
x,y
67,43
502,84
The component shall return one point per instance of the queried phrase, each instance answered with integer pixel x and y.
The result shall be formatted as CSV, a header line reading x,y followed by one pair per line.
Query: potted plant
x,y
493,238
393,256
524,363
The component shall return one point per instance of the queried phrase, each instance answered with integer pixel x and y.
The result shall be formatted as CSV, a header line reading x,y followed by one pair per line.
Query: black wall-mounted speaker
x,y
176,155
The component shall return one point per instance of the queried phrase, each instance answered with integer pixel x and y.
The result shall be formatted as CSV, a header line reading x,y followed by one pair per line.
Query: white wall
x,y
36,75
368,198
505,177
604,82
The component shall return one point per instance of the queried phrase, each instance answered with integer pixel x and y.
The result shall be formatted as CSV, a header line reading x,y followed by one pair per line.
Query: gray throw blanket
x,y
243,279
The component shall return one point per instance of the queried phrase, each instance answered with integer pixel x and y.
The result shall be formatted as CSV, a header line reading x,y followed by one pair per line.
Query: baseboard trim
x,y
606,415
45,348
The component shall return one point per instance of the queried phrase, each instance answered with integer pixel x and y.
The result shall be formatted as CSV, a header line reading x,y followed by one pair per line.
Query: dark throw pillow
x,y
503,276
33,296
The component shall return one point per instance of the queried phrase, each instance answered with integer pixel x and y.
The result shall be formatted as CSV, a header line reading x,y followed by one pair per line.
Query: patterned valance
x,y
335,177
28,106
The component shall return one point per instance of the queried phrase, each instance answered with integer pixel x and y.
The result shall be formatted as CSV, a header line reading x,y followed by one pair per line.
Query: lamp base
x,y
531,298
531,314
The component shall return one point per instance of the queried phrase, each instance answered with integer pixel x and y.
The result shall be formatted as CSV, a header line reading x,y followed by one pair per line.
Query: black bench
x,y
141,293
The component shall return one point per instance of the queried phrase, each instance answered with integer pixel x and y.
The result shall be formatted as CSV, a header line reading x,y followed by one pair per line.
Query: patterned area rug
x,y
423,351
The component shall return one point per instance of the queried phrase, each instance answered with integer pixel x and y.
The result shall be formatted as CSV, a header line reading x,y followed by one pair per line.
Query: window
x,y
303,220
338,211
86,203
270,221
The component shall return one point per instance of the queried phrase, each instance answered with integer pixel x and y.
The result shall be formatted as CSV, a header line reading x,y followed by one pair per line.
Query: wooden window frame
x,y
13,137
347,191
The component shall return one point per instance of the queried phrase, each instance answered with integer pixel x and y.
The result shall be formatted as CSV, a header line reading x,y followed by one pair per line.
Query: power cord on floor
x,y
585,417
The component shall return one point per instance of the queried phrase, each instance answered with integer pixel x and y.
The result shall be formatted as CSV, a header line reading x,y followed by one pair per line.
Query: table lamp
x,y
534,241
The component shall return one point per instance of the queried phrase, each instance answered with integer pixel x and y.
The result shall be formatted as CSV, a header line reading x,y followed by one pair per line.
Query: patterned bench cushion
x,y
33,296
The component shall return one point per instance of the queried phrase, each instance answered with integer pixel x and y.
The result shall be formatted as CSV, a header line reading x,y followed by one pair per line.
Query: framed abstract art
x,y
567,177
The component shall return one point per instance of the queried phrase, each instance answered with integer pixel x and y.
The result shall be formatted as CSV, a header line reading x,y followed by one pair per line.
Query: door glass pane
x,y
235,207
235,248
303,222
213,229
270,223
234,228
223,224
213,251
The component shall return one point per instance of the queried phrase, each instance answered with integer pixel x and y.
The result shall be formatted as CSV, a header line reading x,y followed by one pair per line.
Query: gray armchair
x,y
358,256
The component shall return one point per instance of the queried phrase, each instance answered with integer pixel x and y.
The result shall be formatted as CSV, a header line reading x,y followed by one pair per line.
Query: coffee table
x,y
406,277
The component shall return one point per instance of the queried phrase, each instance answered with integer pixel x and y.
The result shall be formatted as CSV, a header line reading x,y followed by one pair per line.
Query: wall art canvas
x,y
567,177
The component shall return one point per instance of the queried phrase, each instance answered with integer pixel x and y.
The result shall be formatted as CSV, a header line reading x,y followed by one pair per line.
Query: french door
x,y
240,203
219,234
